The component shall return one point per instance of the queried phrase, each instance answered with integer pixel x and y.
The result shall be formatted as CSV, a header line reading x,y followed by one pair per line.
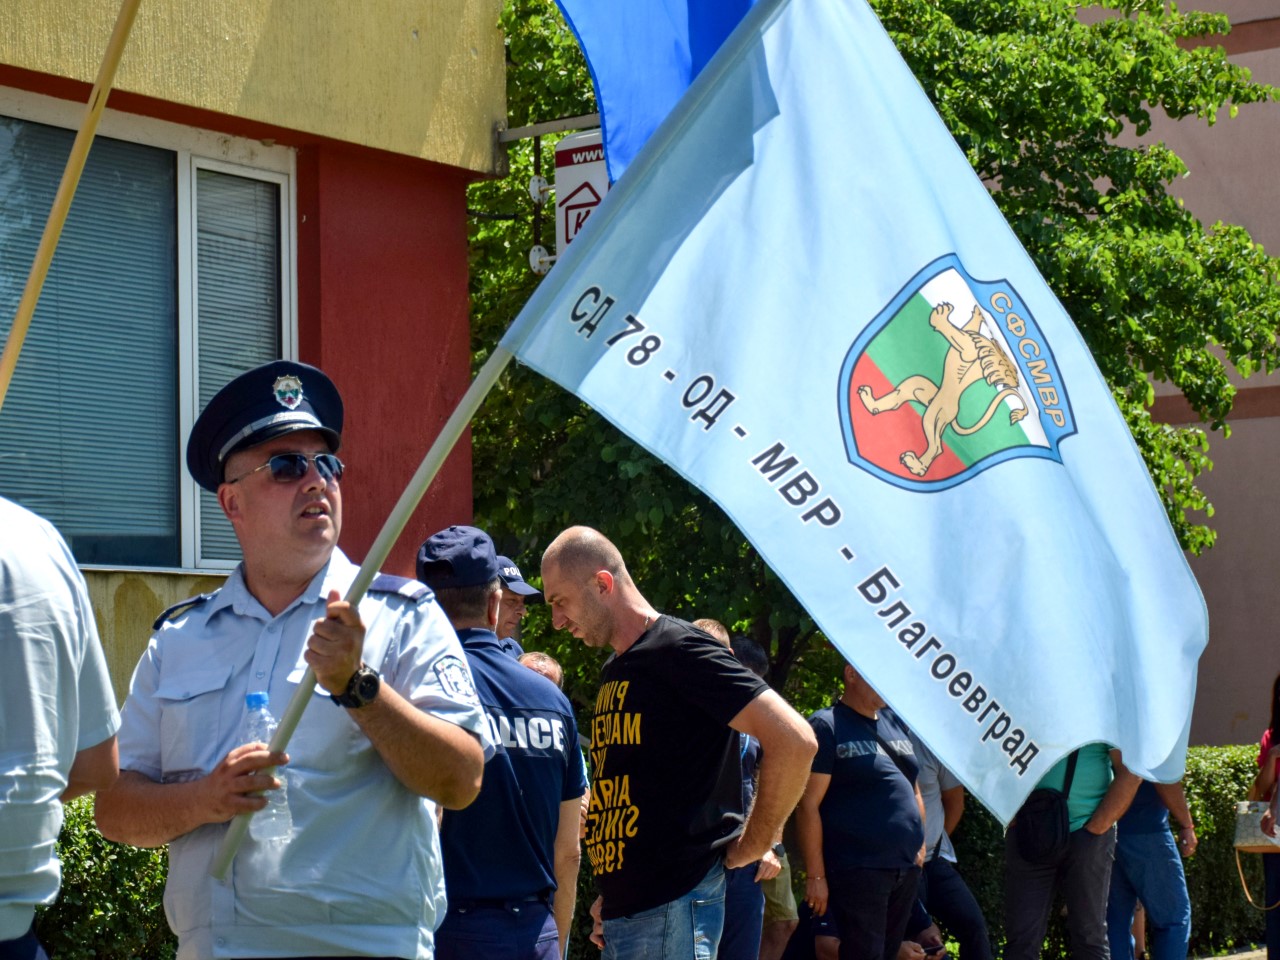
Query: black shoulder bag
x,y
1042,828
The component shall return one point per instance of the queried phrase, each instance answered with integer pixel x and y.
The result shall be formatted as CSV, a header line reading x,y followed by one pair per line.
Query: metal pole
x,y
66,191
391,531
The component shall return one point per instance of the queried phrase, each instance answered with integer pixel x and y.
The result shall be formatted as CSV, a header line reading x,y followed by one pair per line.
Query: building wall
x,y
382,298
126,604
423,78
391,107
1232,177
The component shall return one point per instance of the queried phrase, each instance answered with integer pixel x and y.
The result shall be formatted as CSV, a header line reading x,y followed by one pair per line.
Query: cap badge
x,y
288,392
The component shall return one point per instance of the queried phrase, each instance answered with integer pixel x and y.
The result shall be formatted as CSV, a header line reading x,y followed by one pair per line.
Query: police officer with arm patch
x,y
394,718
511,858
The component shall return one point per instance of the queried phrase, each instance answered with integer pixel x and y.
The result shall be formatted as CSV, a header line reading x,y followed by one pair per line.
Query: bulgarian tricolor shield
x,y
951,378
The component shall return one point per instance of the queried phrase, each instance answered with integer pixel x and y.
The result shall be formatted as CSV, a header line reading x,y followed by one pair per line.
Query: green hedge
x,y
110,903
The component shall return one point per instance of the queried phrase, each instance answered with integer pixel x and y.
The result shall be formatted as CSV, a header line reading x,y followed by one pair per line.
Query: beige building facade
x,y
1233,177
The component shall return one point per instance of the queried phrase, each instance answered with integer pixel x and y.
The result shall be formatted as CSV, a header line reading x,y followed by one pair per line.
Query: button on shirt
x,y
57,701
362,872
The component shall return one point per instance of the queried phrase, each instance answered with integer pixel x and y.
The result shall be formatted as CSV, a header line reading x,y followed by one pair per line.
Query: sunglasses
x,y
292,467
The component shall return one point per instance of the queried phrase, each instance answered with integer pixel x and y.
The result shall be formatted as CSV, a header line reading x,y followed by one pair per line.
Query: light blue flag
x,y
803,299
642,55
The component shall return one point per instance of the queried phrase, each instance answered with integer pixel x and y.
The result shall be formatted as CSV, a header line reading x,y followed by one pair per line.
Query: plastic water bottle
x,y
272,822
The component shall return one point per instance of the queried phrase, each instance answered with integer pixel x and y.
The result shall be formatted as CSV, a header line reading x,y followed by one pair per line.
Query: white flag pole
x,y
391,531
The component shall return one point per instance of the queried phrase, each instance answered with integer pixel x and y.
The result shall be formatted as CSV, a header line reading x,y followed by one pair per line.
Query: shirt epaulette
x,y
181,607
403,586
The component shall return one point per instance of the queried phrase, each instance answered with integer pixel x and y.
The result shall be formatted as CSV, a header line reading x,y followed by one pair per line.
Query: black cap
x,y
268,401
513,581
457,557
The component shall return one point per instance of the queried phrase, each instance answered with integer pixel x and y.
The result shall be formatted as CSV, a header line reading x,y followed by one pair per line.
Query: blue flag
x,y
804,300
643,54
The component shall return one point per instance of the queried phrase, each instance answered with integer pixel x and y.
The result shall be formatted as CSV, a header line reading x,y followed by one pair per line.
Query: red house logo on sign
x,y
581,183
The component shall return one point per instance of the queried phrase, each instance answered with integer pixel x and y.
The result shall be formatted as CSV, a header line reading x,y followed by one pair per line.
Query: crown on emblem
x,y
288,391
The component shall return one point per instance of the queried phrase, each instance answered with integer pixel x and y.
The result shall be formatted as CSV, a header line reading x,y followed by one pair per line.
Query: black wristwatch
x,y
779,851
362,689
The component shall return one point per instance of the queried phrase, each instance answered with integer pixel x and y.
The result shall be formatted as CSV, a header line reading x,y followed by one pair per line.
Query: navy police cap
x,y
457,557
266,402
513,581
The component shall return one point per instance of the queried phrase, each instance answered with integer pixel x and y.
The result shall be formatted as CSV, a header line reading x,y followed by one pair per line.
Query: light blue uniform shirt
x,y
57,700
362,874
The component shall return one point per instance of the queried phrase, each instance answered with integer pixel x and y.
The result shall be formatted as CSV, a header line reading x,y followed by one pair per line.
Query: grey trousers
x,y
1083,875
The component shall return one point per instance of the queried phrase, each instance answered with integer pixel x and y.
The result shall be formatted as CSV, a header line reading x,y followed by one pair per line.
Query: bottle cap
x,y
257,700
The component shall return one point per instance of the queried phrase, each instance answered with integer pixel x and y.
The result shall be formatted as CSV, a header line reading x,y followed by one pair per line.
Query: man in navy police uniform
x,y
515,594
511,858
394,719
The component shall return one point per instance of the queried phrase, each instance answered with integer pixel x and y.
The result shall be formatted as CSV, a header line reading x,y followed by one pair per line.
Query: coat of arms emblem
x,y
951,378
288,391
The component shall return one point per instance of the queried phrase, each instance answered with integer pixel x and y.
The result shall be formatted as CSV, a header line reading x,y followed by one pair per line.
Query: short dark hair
x,y
468,604
750,654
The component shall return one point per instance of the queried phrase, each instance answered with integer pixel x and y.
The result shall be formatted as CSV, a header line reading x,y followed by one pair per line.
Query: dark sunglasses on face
x,y
292,467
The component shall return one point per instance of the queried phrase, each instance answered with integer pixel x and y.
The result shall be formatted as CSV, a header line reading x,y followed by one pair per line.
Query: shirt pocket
x,y
197,718
326,738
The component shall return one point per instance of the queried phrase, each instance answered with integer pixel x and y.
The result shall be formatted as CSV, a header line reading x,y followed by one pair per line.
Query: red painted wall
x,y
382,302
382,308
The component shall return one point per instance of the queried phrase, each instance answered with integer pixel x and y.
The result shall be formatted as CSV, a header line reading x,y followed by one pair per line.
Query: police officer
x,y
511,858
395,717
515,594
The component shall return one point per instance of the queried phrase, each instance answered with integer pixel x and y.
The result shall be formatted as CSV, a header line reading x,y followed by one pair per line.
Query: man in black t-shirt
x,y
665,816
860,823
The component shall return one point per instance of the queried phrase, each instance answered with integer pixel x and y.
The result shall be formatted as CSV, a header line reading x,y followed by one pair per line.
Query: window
x,y
172,275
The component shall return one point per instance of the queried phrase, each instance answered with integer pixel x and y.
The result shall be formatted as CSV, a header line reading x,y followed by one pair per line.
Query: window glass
x,y
237,303
88,430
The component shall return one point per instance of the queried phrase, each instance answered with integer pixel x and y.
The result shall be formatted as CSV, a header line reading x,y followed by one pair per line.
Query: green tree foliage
x,y
1037,99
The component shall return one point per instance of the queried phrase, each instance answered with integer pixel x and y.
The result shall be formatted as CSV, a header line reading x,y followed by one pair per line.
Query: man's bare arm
x,y
787,746
94,768
1175,798
430,756
809,839
137,810
952,808
1117,798
568,854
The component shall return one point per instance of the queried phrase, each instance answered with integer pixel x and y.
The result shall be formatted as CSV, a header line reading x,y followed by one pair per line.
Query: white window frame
x,y
194,149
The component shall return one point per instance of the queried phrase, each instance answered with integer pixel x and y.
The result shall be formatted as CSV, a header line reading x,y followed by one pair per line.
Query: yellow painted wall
x,y
423,78
125,605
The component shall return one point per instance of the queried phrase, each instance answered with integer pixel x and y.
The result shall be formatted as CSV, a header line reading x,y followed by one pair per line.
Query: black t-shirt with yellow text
x,y
666,783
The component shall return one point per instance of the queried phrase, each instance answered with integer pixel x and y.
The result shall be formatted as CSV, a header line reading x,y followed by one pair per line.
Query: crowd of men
x,y
439,796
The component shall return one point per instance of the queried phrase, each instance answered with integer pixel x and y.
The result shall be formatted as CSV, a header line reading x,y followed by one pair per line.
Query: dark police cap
x,y
513,581
457,557
267,402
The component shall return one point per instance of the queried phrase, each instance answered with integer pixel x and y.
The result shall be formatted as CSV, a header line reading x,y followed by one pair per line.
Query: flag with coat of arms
x,y
803,299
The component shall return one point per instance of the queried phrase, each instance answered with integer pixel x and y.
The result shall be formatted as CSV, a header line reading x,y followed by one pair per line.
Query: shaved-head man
x,y
665,817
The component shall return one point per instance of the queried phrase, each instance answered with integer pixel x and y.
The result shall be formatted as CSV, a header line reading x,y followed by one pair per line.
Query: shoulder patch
x,y
178,609
402,586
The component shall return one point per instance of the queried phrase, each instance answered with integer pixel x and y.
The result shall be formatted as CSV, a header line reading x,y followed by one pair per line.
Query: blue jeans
x,y
1148,868
1271,873
743,914
514,931
687,928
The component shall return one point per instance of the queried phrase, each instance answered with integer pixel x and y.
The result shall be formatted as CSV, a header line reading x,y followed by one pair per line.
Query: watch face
x,y
366,686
